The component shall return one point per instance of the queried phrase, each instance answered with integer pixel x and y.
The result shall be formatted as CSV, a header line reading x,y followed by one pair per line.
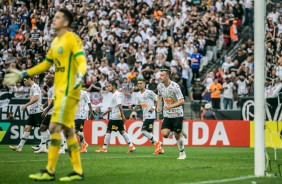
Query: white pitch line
x,y
130,157
223,180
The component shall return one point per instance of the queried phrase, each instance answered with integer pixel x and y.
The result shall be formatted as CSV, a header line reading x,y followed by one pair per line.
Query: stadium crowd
x,y
124,40
234,77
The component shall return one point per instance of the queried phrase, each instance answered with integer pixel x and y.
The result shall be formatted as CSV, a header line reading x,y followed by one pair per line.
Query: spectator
x,y
197,91
215,89
241,56
227,64
98,113
127,90
241,85
13,29
196,97
159,34
278,69
124,68
228,88
94,85
234,32
10,58
133,116
103,80
196,61
18,90
273,15
152,85
233,69
208,113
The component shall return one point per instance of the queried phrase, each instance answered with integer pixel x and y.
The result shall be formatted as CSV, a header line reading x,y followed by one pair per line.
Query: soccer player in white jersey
x,y
146,100
173,99
117,118
48,105
80,116
35,111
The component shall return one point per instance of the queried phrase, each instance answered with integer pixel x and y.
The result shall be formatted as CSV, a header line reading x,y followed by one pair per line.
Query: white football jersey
x,y
36,107
82,109
50,95
171,95
116,100
147,100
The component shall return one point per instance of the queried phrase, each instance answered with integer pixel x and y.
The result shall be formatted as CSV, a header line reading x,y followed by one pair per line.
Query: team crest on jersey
x,y
60,50
170,92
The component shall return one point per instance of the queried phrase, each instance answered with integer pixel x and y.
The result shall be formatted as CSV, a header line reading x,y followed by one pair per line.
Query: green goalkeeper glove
x,y
78,80
14,76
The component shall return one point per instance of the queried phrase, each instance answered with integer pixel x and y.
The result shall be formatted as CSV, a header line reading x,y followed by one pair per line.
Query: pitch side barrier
x,y
215,133
273,110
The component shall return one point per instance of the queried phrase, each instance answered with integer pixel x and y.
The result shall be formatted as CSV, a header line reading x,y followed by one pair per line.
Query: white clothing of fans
x,y
242,87
124,68
17,91
228,90
273,16
82,109
171,95
138,39
116,100
147,101
36,107
161,50
50,95
152,39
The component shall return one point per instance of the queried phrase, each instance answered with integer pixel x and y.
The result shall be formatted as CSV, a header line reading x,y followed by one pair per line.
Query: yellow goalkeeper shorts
x,y
64,111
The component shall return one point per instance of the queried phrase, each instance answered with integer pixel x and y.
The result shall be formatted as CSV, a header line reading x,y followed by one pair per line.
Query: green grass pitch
x,y
203,165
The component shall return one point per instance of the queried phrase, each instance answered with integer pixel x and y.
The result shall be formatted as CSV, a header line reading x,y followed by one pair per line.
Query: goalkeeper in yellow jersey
x,y
66,53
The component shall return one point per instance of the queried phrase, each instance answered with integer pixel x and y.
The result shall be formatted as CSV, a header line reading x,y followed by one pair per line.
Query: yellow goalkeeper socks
x,y
53,152
74,154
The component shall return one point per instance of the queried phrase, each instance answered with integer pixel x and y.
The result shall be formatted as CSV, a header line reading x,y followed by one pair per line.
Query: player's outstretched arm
x,y
15,75
40,68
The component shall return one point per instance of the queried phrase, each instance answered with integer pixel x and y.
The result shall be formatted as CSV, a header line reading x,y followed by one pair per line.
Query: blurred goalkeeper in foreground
x,y
66,53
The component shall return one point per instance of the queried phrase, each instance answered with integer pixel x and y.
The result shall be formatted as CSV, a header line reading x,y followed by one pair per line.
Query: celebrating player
x,y
66,53
146,100
117,119
34,105
173,110
45,135
81,116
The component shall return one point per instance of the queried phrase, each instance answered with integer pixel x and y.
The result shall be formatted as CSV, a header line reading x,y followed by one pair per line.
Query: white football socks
x,y
180,144
81,137
150,136
107,140
43,139
24,139
127,139
63,138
